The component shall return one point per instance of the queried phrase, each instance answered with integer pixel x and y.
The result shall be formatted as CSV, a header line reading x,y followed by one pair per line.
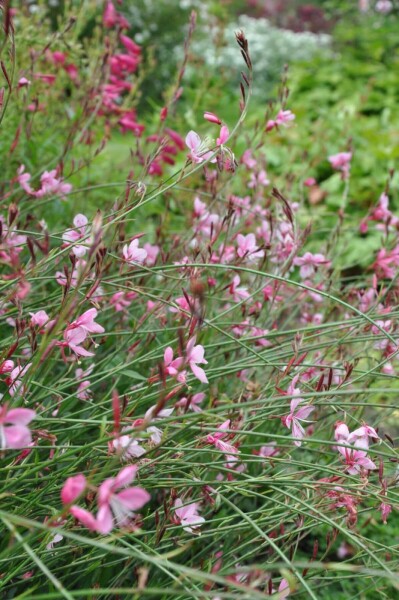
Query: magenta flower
x,y
14,433
195,355
187,515
132,253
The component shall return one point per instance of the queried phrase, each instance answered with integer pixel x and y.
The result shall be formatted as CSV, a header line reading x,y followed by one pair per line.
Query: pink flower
x,y
73,488
173,365
6,366
23,180
257,179
152,254
14,380
14,433
199,150
341,162
130,45
132,253
309,263
283,118
238,293
116,507
216,439
71,236
23,82
188,516
192,403
195,355
283,589
76,333
40,318
223,136
356,460
385,509
248,248
292,420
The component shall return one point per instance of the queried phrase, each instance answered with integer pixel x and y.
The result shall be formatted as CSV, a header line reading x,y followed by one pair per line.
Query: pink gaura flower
x,y
77,332
386,510
132,253
14,381
217,439
14,433
248,248
195,355
173,365
283,118
309,263
187,515
238,293
72,236
116,503
223,136
341,162
199,150
292,420
40,318
73,488
191,403
356,460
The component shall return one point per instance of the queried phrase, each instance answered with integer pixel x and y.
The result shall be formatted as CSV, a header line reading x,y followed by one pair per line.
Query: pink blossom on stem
x,y
248,248
195,355
117,502
309,263
199,150
187,515
14,433
341,162
173,365
238,293
72,236
132,253
40,318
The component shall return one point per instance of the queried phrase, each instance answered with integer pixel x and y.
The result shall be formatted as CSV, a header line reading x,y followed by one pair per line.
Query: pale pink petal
x,y
134,497
85,517
17,436
104,519
199,373
20,416
125,476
